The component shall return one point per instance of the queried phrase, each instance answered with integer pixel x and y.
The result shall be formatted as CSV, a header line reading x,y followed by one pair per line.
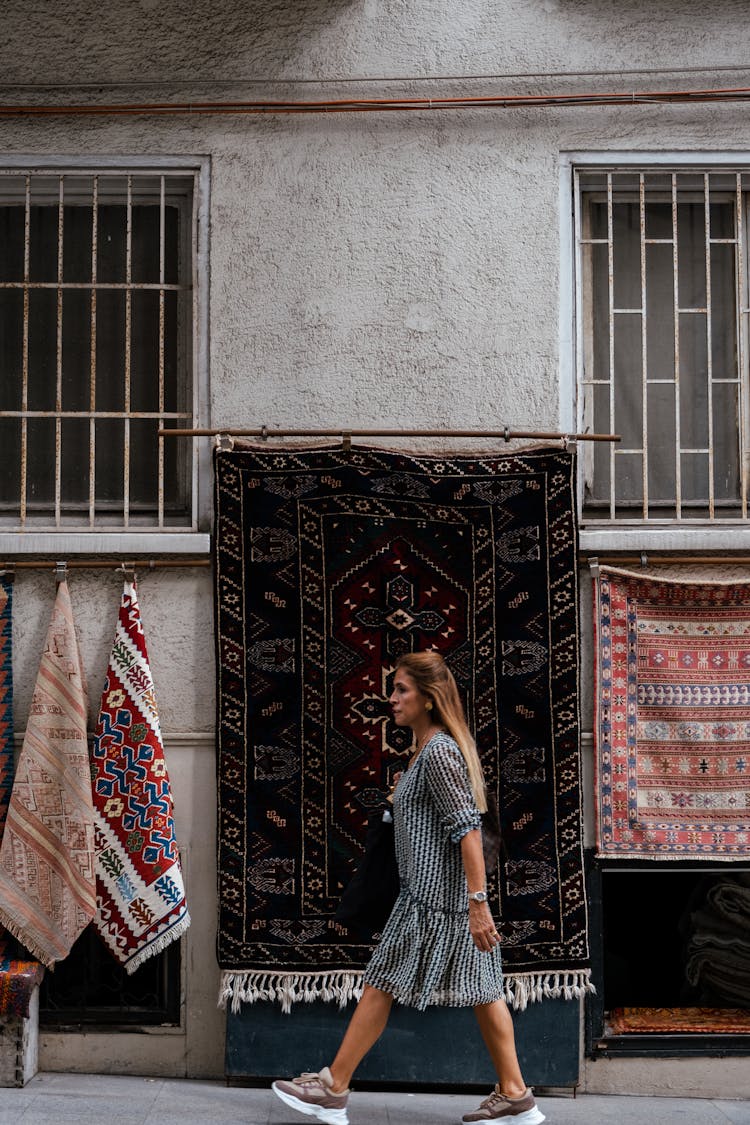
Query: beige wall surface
x,y
380,270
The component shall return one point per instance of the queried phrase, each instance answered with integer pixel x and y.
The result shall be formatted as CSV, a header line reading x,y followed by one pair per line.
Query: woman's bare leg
x,y
497,1031
365,1028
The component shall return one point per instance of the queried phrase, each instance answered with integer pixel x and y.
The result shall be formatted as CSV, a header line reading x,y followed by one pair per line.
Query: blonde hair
x,y
434,679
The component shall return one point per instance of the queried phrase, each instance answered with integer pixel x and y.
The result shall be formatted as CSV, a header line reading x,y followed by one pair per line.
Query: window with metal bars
x,y
90,988
96,351
662,351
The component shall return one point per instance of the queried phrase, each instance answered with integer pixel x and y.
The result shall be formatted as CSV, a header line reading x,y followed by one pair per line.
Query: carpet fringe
x,y
16,930
520,990
159,945
288,988
523,989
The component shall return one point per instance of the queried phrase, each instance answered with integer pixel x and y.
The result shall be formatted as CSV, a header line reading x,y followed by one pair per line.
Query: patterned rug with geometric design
x,y
329,565
672,723
140,892
18,979
47,885
679,1021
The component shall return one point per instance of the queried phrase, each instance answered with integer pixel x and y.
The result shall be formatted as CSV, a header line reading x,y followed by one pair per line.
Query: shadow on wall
x,y
155,41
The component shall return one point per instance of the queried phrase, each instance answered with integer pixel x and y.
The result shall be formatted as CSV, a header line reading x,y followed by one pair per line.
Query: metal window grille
x,y
90,988
96,353
662,325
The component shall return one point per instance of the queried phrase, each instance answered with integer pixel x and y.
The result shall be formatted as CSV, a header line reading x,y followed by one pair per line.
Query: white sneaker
x,y
311,1093
507,1111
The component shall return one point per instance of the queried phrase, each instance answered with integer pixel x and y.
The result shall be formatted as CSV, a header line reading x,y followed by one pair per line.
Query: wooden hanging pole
x,y
645,559
506,434
11,565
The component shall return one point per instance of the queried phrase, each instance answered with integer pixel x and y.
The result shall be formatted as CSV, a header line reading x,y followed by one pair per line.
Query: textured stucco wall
x,y
178,621
353,38
380,270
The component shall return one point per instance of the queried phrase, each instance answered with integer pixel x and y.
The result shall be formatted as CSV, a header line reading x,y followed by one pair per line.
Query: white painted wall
x,y
380,270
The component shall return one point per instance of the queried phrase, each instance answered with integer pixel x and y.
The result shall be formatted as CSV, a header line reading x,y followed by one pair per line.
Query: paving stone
x,y
59,1099
736,1112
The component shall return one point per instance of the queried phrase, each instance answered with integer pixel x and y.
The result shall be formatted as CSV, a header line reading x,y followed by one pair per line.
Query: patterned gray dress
x,y
426,954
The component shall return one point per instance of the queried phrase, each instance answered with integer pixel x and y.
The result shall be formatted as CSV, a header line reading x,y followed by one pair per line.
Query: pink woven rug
x,y
672,724
47,895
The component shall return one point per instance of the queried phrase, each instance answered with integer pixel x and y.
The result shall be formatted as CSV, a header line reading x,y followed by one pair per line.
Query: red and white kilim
x,y
47,895
140,893
672,723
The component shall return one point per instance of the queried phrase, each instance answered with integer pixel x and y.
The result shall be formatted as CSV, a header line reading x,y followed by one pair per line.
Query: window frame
x,y
193,539
602,536
598,1042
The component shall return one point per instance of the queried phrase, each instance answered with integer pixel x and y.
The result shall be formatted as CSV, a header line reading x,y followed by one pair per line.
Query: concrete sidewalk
x,y
93,1099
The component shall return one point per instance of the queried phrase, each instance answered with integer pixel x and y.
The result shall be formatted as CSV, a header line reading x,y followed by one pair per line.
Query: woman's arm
x,y
481,925
448,783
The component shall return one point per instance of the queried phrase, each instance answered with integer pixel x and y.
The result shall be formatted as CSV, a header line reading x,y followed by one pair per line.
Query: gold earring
x,y
428,705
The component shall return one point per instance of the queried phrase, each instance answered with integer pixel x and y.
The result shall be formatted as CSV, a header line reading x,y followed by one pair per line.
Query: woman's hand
x,y
481,927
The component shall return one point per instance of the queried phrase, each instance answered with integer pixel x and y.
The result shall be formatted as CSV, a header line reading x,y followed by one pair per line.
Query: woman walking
x,y
440,944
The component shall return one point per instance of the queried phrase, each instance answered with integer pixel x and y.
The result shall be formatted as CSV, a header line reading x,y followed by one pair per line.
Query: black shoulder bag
x,y
371,894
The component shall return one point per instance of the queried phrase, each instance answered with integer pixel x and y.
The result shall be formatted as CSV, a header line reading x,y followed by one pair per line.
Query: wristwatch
x,y
478,896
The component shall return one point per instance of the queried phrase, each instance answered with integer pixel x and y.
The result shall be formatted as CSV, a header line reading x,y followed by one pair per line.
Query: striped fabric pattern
x,y
47,887
426,954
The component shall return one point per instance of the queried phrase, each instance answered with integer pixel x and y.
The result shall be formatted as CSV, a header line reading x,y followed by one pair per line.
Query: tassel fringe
x,y
288,988
27,940
530,988
237,988
158,946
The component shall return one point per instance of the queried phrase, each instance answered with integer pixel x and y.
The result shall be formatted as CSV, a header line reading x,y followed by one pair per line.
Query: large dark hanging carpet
x,y
329,564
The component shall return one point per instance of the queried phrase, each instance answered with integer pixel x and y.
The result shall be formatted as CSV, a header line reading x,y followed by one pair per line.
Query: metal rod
x,y
338,80
100,564
379,105
739,266
645,559
59,351
162,274
93,357
128,350
147,414
611,353
709,346
25,359
506,434
644,346
114,286
676,353
585,406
